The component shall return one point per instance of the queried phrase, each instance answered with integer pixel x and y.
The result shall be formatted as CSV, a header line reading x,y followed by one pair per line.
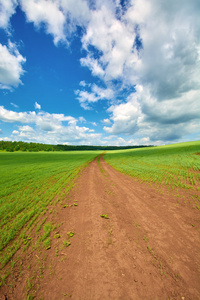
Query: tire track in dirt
x,y
145,250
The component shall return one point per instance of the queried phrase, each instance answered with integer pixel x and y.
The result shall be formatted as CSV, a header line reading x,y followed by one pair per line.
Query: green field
x,y
33,184
29,182
175,165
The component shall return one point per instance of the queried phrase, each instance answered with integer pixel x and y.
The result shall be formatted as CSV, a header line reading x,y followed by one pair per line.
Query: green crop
x,y
175,165
29,182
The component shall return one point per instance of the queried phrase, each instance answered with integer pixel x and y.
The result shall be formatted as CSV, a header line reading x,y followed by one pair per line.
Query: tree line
x,y
36,147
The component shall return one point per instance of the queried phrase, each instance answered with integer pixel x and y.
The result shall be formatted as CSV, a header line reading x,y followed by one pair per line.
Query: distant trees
x,y
36,147
22,146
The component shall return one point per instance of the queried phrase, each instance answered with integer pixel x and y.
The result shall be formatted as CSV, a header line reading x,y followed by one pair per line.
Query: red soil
x,y
147,249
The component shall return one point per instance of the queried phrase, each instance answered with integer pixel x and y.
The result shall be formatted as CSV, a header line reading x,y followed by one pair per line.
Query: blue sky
x,y
102,72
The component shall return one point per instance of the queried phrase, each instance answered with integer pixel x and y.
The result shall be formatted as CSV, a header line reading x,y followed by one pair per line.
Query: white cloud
x,y
178,110
161,133
26,128
5,139
48,128
143,116
103,93
7,9
15,132
37,106
106,121
84,96
59,17
11,62
24,133
82,83
48,13
94,65
82,119
169,56
169,61
41,119
78,14
62,135
155,46
112,140
95,94
15,105
116,141
125,117
12,116
113,39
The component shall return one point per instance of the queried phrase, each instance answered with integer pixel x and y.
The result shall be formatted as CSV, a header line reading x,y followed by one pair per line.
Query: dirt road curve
x,y
147,249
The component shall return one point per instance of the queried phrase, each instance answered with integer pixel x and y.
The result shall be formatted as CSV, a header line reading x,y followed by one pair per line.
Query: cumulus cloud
x,y
48,128
151,45
106,121
125,117
15,132
95,94
143,115
82,83
169,61
60,18
112,140
7,9
78,15
11,62
94,65
64,135
5,139
26,128
113,39
41,118
82,119
37,106
163,63
48,13
178,110
23,133
84,96
160,133
12,116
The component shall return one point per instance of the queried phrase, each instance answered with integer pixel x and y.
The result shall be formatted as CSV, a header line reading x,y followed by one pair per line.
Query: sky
x,y
100,72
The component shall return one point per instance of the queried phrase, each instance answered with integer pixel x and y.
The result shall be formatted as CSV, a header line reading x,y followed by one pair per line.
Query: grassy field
x,y
175,165
29,182
33,184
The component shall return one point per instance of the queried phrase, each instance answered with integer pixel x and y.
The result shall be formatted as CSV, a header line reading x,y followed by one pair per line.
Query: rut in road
x,y
145,250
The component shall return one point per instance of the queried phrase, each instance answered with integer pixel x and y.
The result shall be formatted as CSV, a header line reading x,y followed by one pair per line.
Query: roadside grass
x,y
176,166
29,183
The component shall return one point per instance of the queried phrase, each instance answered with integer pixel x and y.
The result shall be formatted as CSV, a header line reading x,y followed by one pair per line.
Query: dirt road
x,y
147,249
